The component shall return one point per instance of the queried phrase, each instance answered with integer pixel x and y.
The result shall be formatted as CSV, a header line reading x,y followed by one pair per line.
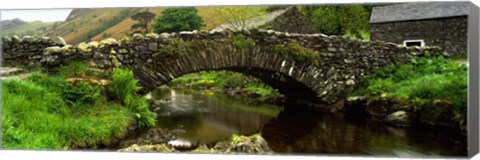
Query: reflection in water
x,y
305,130
209,117
206,116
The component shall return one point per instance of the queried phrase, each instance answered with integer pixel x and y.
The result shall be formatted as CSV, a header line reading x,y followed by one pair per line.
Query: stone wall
x,y
339,65
27,50
448,33
292,21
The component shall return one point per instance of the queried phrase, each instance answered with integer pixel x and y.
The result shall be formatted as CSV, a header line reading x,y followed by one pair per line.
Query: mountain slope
x,y
88,23
83,25
35,28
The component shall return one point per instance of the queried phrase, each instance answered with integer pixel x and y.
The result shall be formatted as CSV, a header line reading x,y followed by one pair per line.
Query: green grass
x,y
459,58
225,79
74,69
47,112
421,80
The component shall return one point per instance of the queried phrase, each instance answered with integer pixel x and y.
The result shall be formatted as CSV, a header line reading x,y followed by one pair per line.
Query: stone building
x,y
442,24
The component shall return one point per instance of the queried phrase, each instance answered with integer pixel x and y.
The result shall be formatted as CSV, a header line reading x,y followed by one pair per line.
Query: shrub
x,y
242,43
139,106
339,19
124,88
81,92
297,52
123,83
178,19
174,48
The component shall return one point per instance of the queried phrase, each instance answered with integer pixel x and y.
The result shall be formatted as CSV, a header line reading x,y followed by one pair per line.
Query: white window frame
x,y
422,42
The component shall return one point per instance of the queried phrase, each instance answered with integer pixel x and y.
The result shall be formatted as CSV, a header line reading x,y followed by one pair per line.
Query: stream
x,y
207,117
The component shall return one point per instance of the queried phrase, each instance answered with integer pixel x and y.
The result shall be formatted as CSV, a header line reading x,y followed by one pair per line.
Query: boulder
x,y
28,39
55,50
182,144
153,35
15,39
439,114
108,42
148,148
84,47
93,44
254,144
356,104
59,41
400,118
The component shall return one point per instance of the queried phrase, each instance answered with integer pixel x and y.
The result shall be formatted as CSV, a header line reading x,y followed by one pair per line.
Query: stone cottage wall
x,y
447,33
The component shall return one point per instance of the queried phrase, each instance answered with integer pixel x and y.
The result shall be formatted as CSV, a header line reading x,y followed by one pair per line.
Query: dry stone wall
x,y
306,66
448,33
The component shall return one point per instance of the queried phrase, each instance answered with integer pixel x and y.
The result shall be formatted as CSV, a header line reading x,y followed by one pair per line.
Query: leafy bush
x,y
178,19
82,92
142,113
124,88
123,83
339,19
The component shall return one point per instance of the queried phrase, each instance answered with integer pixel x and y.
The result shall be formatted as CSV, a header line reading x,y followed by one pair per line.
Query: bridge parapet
x,y
307,66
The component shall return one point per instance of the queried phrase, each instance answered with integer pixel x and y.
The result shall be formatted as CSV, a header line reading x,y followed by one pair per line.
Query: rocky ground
x,y
403,114
254,144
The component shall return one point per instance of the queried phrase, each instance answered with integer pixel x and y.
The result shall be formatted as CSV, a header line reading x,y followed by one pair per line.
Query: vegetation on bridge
x,y
297,51
51,112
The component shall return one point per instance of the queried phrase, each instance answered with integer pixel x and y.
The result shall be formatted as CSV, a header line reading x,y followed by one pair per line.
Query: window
x,y
410,43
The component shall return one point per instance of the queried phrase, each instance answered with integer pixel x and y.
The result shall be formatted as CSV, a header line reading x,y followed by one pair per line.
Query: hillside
x,y
35,28
88,23
110,22
8,24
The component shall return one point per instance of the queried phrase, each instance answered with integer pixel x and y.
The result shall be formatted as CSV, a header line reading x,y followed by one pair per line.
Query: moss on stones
x,y
242,43
297,51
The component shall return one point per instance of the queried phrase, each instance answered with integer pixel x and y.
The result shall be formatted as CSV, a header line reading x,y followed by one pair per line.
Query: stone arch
x,y
284,84
283,74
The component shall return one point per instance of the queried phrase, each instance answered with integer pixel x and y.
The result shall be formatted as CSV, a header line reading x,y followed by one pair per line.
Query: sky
x,y
45,15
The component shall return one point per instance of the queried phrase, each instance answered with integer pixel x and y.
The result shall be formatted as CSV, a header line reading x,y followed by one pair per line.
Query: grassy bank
x,y
226,79
50,112
423,83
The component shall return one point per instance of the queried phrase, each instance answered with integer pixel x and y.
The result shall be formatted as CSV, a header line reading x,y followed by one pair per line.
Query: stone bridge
x,y
311,67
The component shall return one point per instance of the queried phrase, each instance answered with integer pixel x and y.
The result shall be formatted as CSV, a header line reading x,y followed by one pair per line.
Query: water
x,y
208,117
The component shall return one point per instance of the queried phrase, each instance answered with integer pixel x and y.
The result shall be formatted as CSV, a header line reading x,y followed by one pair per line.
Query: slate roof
x,y
418,11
